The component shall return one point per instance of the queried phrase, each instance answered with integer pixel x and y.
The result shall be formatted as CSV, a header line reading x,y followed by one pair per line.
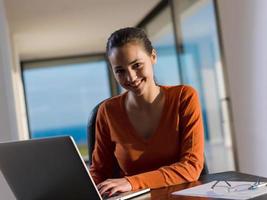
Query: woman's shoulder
x,y
179,89
181,94
112,103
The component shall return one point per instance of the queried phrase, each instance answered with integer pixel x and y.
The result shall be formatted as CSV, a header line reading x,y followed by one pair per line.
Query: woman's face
x,y
133,67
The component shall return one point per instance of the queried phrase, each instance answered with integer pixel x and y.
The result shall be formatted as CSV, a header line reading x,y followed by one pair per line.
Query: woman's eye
x,y
136,65
119,71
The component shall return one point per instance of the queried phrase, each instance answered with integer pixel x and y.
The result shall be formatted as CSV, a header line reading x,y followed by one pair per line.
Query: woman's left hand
x,y
114,185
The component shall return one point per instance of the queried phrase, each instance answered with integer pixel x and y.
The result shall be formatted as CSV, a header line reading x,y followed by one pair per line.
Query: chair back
x,y
205,169
91,132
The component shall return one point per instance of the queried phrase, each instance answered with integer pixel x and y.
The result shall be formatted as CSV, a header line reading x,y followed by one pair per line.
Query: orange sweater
x,y
172,155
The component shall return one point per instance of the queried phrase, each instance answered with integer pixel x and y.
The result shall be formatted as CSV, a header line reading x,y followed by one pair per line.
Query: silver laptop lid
x,y
50,168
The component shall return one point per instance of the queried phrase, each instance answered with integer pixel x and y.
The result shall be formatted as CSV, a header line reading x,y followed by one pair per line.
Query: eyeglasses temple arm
x,y
212,187
228,183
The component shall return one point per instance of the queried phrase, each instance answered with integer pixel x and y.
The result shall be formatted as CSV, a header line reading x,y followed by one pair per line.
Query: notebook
x,y
49,168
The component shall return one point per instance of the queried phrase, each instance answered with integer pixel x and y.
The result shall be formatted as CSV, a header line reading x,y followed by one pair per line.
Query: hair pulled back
x,y
127,35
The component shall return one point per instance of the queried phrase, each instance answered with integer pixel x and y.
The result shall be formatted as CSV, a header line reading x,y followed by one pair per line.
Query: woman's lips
x,y
136,84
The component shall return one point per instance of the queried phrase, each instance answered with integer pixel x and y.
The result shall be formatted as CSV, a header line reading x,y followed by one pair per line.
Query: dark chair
x,y
91,132
91,138
205,169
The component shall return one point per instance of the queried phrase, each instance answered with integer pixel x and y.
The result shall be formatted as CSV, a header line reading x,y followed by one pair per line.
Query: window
x,y
60,95
201,67
160,32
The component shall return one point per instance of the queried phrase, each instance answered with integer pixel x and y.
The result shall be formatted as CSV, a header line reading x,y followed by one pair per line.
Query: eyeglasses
x,y
222,187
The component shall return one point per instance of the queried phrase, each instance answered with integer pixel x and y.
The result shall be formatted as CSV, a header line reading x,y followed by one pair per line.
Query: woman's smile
x,y
135,85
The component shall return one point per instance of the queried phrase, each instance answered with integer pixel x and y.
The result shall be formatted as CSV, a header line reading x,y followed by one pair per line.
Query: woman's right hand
x,y
112,186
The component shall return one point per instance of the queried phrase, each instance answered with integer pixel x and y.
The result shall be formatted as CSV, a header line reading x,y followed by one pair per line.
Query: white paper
x,y
205,190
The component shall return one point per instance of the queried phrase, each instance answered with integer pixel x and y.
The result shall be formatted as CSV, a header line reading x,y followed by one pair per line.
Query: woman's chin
x,y
138,91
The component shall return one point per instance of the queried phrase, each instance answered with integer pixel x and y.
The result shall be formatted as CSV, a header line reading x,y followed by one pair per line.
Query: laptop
x,y
49,168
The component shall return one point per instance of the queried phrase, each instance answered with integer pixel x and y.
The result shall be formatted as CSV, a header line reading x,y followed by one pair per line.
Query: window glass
x,y
60,97
160,32
201,67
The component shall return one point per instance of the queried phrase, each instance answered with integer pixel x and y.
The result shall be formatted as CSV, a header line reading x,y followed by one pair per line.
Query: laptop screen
x,y
48,168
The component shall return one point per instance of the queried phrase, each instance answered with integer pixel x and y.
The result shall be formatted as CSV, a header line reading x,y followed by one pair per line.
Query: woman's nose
x,y
131,76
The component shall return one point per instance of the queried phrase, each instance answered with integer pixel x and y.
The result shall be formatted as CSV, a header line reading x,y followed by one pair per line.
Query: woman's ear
x,y
153,56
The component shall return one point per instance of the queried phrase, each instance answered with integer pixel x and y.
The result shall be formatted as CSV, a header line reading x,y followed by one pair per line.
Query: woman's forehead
x,y
126,53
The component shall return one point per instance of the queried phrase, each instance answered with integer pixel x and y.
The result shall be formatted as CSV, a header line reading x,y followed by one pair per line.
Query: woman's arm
x,y
103,159
104,162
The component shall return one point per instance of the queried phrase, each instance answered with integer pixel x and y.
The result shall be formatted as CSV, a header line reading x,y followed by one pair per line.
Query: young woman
x,y
153,134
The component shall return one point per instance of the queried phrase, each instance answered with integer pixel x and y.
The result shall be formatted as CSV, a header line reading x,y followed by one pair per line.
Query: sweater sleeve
x,y
103,159
191,157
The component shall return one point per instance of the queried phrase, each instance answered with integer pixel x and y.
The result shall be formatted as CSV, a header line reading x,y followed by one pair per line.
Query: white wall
x,y
13,118
244,32
8,123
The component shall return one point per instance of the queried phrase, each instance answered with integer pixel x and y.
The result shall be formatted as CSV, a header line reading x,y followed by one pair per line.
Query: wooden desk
x,y
165,193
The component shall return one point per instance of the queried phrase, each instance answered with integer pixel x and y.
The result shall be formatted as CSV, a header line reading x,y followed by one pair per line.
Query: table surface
x,y
165,193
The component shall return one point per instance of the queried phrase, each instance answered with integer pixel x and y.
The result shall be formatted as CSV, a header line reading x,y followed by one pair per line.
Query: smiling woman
x,y
131,127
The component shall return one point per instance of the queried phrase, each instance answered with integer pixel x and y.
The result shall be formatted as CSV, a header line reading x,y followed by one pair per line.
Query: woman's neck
x,y
145,101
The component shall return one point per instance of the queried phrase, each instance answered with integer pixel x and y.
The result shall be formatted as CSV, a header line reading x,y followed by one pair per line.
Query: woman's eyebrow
x,y
134,61
130,63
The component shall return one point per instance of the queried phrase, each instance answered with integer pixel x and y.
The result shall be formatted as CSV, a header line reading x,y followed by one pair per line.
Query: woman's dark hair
x,y
126,35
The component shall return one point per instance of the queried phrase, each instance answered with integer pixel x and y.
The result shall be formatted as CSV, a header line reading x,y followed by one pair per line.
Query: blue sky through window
x,y
60,98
